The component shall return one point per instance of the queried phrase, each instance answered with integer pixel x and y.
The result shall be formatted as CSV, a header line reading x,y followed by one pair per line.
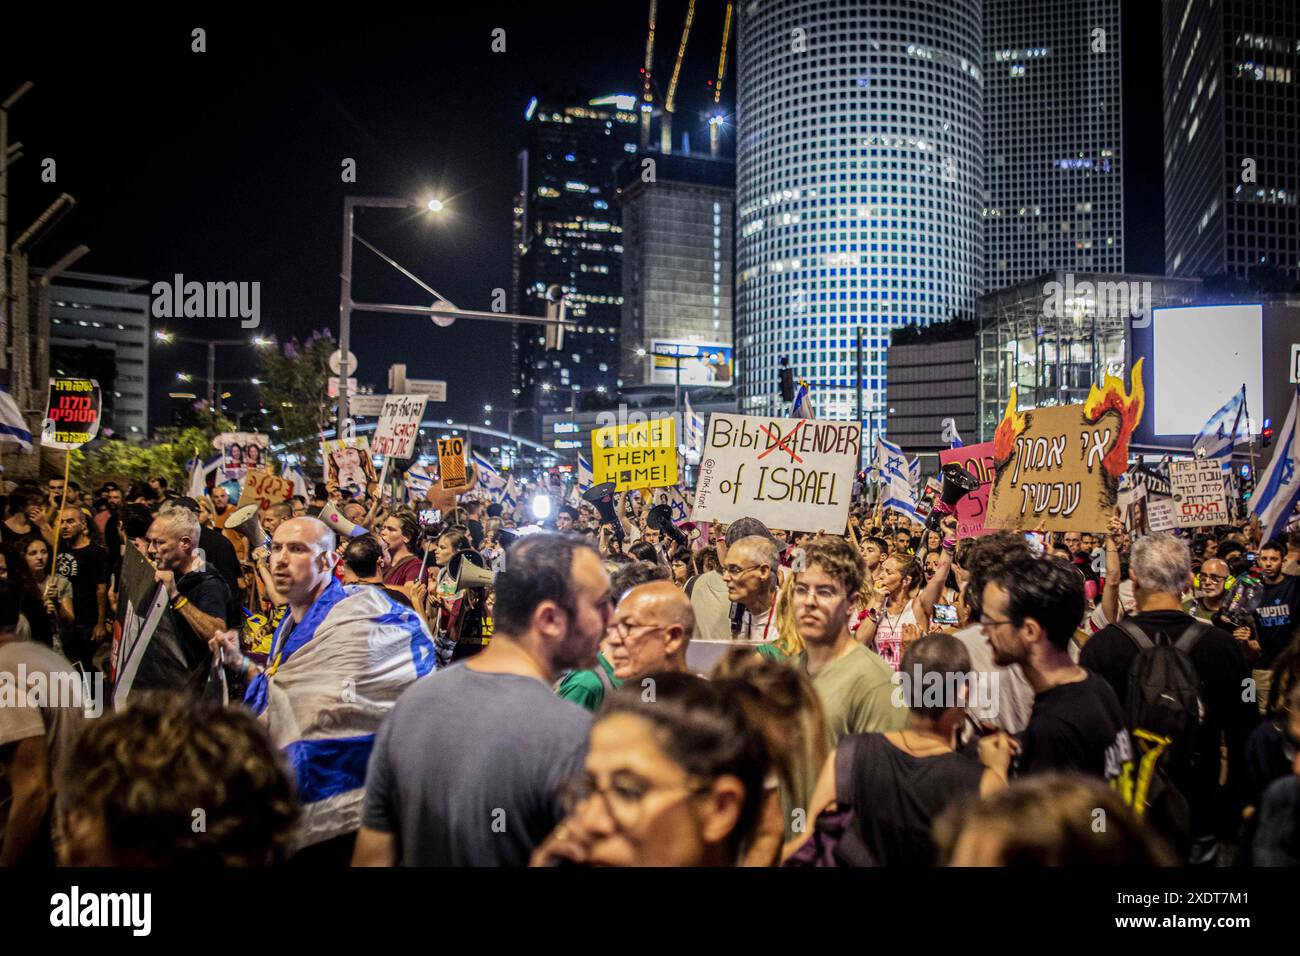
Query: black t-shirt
x,y
1077,726
1275,618
208,592
86,568
1229,714
896,796
220,554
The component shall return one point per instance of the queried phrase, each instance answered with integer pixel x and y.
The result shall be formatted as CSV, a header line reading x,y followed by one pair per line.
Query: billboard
x,y
703,363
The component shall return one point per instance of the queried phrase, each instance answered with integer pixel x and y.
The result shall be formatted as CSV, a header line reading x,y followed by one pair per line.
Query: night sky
x,y
225,165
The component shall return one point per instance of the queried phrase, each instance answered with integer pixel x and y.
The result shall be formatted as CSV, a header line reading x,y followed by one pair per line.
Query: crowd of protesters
x,y
628,690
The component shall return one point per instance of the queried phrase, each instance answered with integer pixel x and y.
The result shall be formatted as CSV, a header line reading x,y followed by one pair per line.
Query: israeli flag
x,y
895,475
950,434
488,476
694,427
677,501
1278,490
13,426
329,684
295,474
418,482
1218,436
199,471
510,496
802,407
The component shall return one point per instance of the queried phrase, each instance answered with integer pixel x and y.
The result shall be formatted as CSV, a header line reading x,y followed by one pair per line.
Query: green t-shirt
x,y
856,692
585,688
772,652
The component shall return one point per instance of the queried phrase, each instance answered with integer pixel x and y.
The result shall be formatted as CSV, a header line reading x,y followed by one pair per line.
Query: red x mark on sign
x,y
782,443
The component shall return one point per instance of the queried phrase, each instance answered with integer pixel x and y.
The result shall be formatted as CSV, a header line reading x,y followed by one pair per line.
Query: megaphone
x,y
602,496
661,519
957,484
465,573
245,522
334,518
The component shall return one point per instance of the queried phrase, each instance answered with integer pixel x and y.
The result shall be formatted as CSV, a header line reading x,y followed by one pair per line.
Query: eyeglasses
x,y
624,798
1213,577
989,622
623,629
731,571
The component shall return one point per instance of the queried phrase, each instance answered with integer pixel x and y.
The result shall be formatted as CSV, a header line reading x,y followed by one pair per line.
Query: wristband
x,y
180,602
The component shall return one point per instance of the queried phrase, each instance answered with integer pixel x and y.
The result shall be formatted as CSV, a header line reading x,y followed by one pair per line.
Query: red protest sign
x,y
978,460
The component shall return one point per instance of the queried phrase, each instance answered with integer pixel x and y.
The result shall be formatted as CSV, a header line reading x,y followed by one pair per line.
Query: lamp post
x,y
169,338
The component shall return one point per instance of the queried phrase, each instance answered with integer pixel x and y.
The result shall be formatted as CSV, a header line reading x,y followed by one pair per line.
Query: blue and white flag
x,y
1224,429
199,472
1278,490
898,488
418,482
296,475
802,406
510,496
949,433
329,684
488,476
677,501
13,427
585,478
694,428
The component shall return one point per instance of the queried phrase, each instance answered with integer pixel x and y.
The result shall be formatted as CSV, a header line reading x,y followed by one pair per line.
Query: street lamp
x,y
165,337
434,205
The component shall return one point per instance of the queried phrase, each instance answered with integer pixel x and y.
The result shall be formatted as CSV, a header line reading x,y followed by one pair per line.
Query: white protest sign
x,y
1198,497
398,426
1161,514
795,474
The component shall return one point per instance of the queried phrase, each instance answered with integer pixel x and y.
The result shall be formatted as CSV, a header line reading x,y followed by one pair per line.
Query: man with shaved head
x,y
752,574
651,630
339,660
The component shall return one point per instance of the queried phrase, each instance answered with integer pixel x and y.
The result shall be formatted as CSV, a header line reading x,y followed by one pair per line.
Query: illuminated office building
x,y
568,232
860,158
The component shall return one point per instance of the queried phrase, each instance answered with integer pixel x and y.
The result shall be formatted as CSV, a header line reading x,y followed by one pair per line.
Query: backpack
x,y
836,840
1164,711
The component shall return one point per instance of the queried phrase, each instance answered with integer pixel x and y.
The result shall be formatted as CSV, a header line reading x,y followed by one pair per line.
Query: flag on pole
x,y
300,486
1278,490
1223,430
677,501
199,471
488,476
802,407
950,433
694,427
13,427
510,496
585,478
895,476
418,482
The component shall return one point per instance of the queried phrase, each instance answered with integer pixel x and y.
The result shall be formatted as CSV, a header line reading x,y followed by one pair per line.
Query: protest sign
x,y
1132,504
639,455
1161,514
1197,493
241,452
398,427
1059,468
978,460
451,463
347,463
265,489
790,473
72,413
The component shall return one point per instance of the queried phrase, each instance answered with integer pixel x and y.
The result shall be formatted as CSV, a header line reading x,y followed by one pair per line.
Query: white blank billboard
x,y
1202,355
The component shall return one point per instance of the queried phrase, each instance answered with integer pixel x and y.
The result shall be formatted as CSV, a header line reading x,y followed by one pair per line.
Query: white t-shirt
x,y
757,630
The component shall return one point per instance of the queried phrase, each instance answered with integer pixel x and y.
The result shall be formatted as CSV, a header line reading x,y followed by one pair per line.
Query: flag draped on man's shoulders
x,y
894,474
1277,491
1224,429
13,427
329,682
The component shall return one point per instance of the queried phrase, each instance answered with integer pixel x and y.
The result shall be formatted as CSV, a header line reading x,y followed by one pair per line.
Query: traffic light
x,y
787,384
1247,484
555,312
1266,433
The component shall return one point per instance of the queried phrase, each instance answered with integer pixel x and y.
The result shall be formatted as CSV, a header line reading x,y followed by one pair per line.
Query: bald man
x,y
651,630
339,660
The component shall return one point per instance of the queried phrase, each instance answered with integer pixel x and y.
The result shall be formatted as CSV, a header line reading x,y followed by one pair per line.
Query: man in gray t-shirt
x,y
467,770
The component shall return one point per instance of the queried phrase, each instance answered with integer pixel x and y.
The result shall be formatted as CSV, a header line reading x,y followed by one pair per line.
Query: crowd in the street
x,y
353,685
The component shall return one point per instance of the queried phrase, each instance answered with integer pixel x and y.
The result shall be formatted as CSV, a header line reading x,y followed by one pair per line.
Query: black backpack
x,y
1164,711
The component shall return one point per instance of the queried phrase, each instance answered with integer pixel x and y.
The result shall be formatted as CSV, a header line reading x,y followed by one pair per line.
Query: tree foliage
x,y
168,455
294,379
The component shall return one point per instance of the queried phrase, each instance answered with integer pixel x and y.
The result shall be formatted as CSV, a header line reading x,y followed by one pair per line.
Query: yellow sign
x,y
451,463
640,455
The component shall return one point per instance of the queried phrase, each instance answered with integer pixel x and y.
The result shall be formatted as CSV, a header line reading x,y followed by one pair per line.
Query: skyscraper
x,y
678,267
1232,137
859,169
568,232
1053,132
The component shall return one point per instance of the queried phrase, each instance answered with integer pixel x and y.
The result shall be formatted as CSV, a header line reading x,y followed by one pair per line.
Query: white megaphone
x,y
466,574
334,518
245,522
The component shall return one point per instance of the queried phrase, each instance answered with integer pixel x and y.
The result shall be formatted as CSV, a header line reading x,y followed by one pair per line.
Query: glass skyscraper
x,y
1053,132
1232,137
859,187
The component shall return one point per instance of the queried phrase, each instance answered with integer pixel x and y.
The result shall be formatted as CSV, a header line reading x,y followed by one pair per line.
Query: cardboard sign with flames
x,y
1058,468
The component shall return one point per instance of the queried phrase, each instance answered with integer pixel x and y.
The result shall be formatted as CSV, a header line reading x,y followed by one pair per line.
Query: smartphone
x,y
1035,543
945,614
430,516
1252,557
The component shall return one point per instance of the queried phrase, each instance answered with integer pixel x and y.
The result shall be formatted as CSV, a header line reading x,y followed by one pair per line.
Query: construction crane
x,y
716,117
666,124
647,96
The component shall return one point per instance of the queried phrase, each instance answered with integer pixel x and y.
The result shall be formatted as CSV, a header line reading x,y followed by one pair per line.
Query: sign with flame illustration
x,y
1059,468
971,508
